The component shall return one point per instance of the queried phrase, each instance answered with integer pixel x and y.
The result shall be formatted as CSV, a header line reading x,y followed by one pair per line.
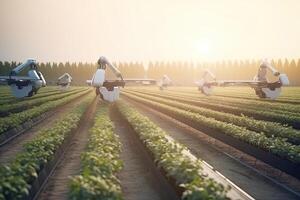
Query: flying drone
x,y
141,81
164,82
262,87
64,81
24,86
108,90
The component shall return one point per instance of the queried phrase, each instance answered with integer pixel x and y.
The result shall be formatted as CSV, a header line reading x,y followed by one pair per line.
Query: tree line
x,y
181,73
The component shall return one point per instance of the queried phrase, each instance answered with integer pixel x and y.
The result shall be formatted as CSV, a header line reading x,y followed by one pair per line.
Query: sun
x,y
203,47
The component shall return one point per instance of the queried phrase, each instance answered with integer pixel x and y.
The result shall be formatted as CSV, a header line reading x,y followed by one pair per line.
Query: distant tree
x,y
298,63
286,64
297,73
6,68
292,72
2,69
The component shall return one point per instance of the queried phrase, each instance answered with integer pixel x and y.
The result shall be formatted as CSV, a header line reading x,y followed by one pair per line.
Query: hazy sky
x,y
143,30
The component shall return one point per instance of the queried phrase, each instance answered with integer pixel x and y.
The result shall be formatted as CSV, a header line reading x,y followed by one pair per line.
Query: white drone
x,y
24,86
262,87
141,81
64,81
109,90
164,82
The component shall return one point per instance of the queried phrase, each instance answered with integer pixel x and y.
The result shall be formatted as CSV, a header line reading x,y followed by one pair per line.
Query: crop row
x,y
288,100
267,106
240,102
4,89
17,177
6,92
173,158
12,99
100,163
277,146
23,105
270,129
17,119
256,113
289,95
283,98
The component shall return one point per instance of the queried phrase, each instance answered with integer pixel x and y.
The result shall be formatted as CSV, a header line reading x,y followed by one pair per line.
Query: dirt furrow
x,y
57,186
139,178
254,183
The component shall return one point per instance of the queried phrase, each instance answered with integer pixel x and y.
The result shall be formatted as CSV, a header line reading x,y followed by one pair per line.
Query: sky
x,y
149,30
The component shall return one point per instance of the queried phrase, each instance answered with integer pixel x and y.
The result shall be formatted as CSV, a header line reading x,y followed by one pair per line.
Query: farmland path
x,y
13,147
139,178
57,186
250,181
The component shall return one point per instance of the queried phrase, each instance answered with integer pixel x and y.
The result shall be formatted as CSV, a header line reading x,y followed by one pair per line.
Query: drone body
x,y
164,82
24,86
64,81
108,90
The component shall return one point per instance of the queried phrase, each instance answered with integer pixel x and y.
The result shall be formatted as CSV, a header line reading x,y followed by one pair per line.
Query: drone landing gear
x,y
22,91
204,87
110,95
267,93
64,86
207,90
163,86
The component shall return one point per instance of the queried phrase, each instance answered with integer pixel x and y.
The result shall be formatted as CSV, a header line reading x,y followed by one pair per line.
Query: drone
x,y
64,81
24,86
164,82
262,87
141,81
108,90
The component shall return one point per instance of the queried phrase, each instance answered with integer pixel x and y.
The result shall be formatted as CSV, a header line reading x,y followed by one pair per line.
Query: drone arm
x,y
28,64
207,73
271,68
103,62
115,70
62,76
41,77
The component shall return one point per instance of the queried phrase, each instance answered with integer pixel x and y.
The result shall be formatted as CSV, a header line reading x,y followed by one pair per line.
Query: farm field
x,y
150,100
150,144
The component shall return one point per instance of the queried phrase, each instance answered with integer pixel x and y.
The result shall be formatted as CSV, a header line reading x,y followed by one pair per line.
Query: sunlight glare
x,y
203,48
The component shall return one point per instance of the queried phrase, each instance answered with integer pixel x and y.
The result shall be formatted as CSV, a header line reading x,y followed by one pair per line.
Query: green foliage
x,y
275,145
16,119
23,105
245,106
173,158
270,129
100,163
94,187
17,177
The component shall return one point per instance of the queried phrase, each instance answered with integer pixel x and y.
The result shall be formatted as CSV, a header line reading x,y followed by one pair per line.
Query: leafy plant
x,y
100,163
270,129
16,119
225,105
173,158
23,105
275,145
17,177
